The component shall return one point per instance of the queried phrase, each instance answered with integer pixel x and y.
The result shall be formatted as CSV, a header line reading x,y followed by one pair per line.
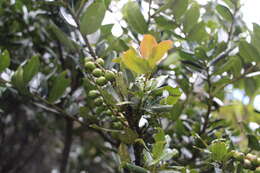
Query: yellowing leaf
x,y
134,62
147,45
159,52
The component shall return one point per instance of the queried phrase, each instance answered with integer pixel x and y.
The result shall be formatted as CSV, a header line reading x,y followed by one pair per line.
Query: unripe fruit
x,y
109,75
101,81
90,66
93,93
100,61
108,112
252,158
97,72
87,59
247,164
238,156
98,101
258,161
257,170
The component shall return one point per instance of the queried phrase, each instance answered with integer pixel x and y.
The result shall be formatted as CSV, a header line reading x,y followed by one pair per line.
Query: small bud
x,y
110,75
98,101
93,93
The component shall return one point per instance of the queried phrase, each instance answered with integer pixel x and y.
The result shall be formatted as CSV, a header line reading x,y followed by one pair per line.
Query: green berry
x,y
100,61
90,66
247,164
109,75
97,72
101,81
252,158
257,170
87,59
238,156
93,93
98,101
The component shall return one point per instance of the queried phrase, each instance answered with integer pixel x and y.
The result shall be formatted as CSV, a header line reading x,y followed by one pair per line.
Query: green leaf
x,y
219,151
31,68
191,18
59,86
165,155
197,33
248,52
134,168
63,38
92,18
253,142
256,36
123,153
164,23
134,62
179,7
17,80
4,60
134,17
224,12
128,137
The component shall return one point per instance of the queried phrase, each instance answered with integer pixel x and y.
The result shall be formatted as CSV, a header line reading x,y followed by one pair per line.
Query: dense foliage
x,y
155,91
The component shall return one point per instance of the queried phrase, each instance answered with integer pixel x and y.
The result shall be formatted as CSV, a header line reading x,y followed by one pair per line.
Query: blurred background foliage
x,y
47,117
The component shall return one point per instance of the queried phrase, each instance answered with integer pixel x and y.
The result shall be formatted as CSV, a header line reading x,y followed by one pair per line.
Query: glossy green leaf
x,y
4,60
31,68
61,83
92,17
179,7
224,12
191,18
134,17
248,51
17,80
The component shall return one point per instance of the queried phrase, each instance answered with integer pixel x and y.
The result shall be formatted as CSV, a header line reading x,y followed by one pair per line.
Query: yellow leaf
x,y
159,52
134,62
147,45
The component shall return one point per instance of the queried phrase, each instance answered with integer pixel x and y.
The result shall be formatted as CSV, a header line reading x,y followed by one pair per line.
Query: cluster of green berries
x,y
249,161
101,75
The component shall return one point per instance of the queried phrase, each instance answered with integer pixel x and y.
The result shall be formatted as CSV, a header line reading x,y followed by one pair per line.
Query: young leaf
x,y
31,68
134,17
17,80
256,36
218,151
224,12
92,18
4,60
134,62
59,86
197,33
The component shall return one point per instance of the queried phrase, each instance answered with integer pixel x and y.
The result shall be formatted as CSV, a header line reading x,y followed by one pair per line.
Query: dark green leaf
x,y
253,142
4,60
134,17
224,12
59,86
30,69
123,153
92,18
134,168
